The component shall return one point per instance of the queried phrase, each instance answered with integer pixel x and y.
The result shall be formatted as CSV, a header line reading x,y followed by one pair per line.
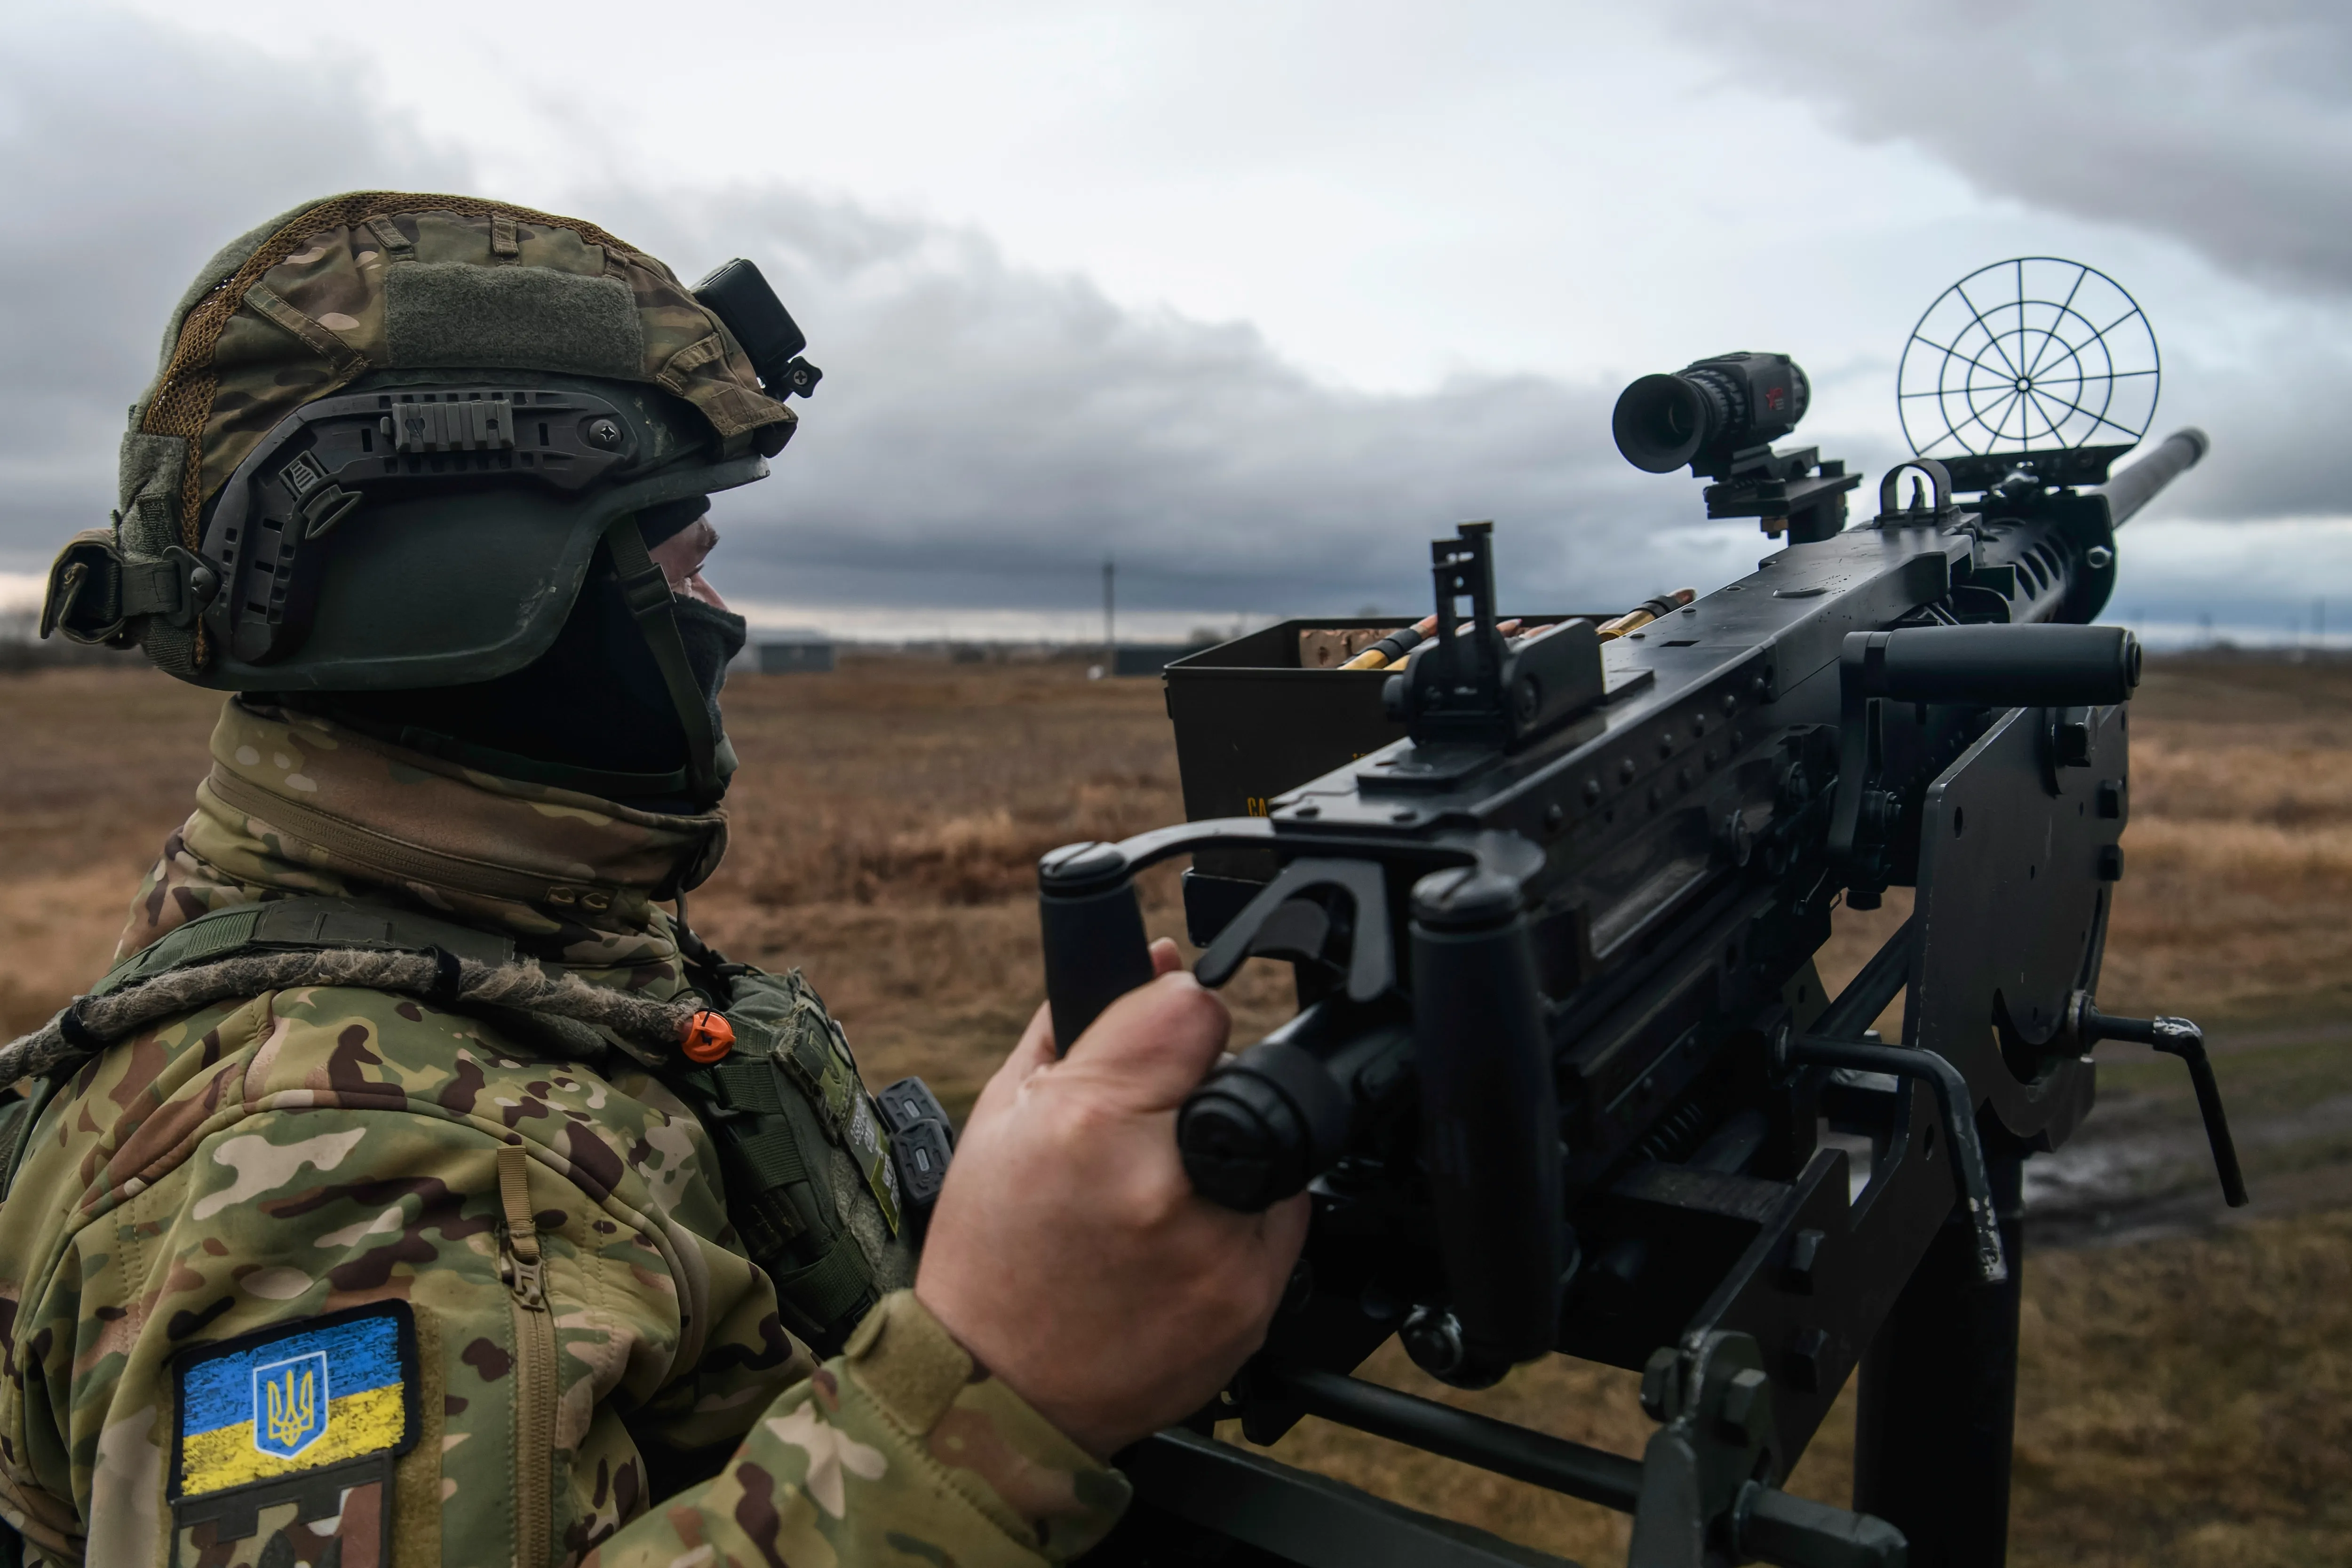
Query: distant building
x,y
788,650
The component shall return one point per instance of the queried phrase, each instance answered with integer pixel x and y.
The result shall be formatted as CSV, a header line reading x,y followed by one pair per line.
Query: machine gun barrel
x,y
2137,485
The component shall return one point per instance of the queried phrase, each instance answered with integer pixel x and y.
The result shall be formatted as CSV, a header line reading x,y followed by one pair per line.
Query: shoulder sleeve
x,y
900,1447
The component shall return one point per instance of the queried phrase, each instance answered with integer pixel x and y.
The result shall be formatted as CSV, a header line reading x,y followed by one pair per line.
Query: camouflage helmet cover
x,y
382,291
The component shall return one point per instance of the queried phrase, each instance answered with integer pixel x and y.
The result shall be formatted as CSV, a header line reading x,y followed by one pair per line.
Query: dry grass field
x,y
2187,1391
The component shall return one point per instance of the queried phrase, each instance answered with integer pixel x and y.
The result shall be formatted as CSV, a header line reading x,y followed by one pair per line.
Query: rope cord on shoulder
x,y
91,1023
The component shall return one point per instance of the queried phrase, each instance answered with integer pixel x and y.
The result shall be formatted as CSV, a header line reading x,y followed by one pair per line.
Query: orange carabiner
x,y
706,1037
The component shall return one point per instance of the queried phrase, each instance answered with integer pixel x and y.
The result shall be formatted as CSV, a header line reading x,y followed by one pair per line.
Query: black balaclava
x,y
591,714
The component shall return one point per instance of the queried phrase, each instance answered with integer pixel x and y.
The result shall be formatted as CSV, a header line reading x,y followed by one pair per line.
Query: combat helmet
x,y
388,434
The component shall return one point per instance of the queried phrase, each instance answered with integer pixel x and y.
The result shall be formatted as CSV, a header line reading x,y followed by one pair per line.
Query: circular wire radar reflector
x,y
2025,355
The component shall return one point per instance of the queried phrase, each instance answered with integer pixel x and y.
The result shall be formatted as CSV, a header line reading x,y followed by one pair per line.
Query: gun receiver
x,y
1564,1076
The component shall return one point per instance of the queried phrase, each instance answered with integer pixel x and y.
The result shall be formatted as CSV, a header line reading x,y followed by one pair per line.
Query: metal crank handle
x,y
1958,1109
2178,1037
1096,952
2182,1039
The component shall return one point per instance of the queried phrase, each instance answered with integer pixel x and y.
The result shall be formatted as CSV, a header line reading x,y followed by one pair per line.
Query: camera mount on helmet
x,y
738,295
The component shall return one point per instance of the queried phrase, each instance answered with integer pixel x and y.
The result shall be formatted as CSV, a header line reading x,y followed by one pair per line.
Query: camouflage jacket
x,y
329,1276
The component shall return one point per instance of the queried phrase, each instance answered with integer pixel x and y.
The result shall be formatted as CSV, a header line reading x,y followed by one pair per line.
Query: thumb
x,y
1035,1050
1156,1043
1035,1053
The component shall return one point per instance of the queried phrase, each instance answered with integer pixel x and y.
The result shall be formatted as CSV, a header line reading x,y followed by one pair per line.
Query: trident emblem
x,y
290,1405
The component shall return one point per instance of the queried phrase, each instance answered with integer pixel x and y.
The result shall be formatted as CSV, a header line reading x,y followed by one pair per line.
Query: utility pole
x,y
1110,611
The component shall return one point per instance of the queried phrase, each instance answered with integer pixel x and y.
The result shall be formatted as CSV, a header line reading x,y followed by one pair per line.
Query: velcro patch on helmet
x,y
453,313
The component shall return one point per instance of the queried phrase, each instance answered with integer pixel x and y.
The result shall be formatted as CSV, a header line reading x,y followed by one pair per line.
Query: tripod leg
x,y
1938,1401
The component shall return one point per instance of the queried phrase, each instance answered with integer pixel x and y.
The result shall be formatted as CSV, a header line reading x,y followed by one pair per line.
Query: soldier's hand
x,y
1069,1254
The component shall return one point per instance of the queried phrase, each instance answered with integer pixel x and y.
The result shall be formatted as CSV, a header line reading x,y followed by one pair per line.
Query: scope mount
x,y
2050,467
1791,494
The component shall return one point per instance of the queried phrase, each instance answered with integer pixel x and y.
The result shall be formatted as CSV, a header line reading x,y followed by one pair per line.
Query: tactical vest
x,y
826,1185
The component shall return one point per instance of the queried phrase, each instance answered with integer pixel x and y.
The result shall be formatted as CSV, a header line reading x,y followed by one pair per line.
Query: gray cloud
x,y
987,431
2223,124
127,156
2276,430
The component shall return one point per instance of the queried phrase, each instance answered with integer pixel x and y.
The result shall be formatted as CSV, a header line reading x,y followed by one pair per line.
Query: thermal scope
x,y
1709,412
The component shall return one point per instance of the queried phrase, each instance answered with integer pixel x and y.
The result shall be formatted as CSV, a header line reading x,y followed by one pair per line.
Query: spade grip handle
x,y
1490,1124
1096,950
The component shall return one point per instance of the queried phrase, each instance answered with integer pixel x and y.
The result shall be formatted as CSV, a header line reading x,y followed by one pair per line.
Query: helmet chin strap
x,y
647,591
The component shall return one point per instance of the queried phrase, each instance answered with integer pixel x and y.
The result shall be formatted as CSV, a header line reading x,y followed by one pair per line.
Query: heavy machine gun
x,y
1564,1076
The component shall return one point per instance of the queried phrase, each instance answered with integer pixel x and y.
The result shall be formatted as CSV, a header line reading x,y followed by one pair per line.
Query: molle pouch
x,y
921,1138
813,1183
284,1442
800,1037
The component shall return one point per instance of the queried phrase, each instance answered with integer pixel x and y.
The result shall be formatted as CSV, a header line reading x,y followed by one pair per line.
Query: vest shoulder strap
x,y
296,923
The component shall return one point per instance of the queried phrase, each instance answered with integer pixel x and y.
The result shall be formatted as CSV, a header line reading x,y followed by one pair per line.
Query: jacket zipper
x,y
525,1270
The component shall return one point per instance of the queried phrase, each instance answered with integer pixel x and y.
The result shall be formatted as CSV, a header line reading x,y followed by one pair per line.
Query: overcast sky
x,y
1257,298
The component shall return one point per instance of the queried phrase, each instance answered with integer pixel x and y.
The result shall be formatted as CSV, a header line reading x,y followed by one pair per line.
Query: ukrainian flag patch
x,y
300,1398
285,1444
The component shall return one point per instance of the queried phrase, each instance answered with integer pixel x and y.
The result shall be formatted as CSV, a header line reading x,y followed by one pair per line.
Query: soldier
x,y
416,1189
